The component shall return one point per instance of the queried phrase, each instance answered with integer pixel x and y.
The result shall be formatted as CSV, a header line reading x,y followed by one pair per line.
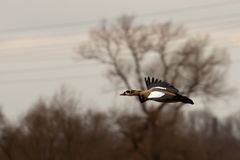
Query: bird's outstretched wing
x,y
152,82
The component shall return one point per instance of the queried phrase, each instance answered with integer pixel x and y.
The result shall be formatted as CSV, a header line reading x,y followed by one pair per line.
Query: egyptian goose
x,y
159,91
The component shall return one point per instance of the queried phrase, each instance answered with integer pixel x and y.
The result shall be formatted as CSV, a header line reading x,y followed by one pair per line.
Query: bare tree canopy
x,y
163,50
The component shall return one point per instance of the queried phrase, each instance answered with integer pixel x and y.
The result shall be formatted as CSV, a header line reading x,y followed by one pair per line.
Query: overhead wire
x,y
194,7
49,68
182,9
163,12
82,23
47,79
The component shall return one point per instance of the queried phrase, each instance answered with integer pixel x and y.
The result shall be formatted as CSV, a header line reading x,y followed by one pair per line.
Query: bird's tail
x,y
184,99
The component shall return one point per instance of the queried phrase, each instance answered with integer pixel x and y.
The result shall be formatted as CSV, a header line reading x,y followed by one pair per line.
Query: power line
x,y
53,26
34,80
79,31
189,20
36,59
212,18
26,60
229,26
87,22
202,19
54,68
41,46
71,77
185,9
50,68
44,51
47,59
33,55
227,23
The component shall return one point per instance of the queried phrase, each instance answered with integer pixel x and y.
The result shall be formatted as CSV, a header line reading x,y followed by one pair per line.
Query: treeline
x,y
57,130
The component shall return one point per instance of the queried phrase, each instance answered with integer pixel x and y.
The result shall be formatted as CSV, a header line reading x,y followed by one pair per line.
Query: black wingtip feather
x,y
152,82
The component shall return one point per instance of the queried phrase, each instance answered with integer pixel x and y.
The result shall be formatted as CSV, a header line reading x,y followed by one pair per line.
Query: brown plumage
x,y
159,91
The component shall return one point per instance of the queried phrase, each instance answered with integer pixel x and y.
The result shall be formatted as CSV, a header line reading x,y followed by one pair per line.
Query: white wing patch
x,y
156,94
160,87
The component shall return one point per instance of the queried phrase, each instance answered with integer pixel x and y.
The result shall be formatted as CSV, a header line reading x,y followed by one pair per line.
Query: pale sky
x,y
38,41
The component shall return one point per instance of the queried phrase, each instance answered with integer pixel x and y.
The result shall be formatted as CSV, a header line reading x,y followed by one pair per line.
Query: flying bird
x,y
158,90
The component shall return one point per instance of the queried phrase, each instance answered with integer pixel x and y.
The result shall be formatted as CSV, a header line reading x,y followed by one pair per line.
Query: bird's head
x,y
130,92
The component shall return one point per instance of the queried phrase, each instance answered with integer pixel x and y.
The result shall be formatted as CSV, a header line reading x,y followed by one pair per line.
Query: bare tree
x,y
164,50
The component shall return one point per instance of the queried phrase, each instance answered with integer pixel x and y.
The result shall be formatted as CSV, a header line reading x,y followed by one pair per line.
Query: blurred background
x,y
64,63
